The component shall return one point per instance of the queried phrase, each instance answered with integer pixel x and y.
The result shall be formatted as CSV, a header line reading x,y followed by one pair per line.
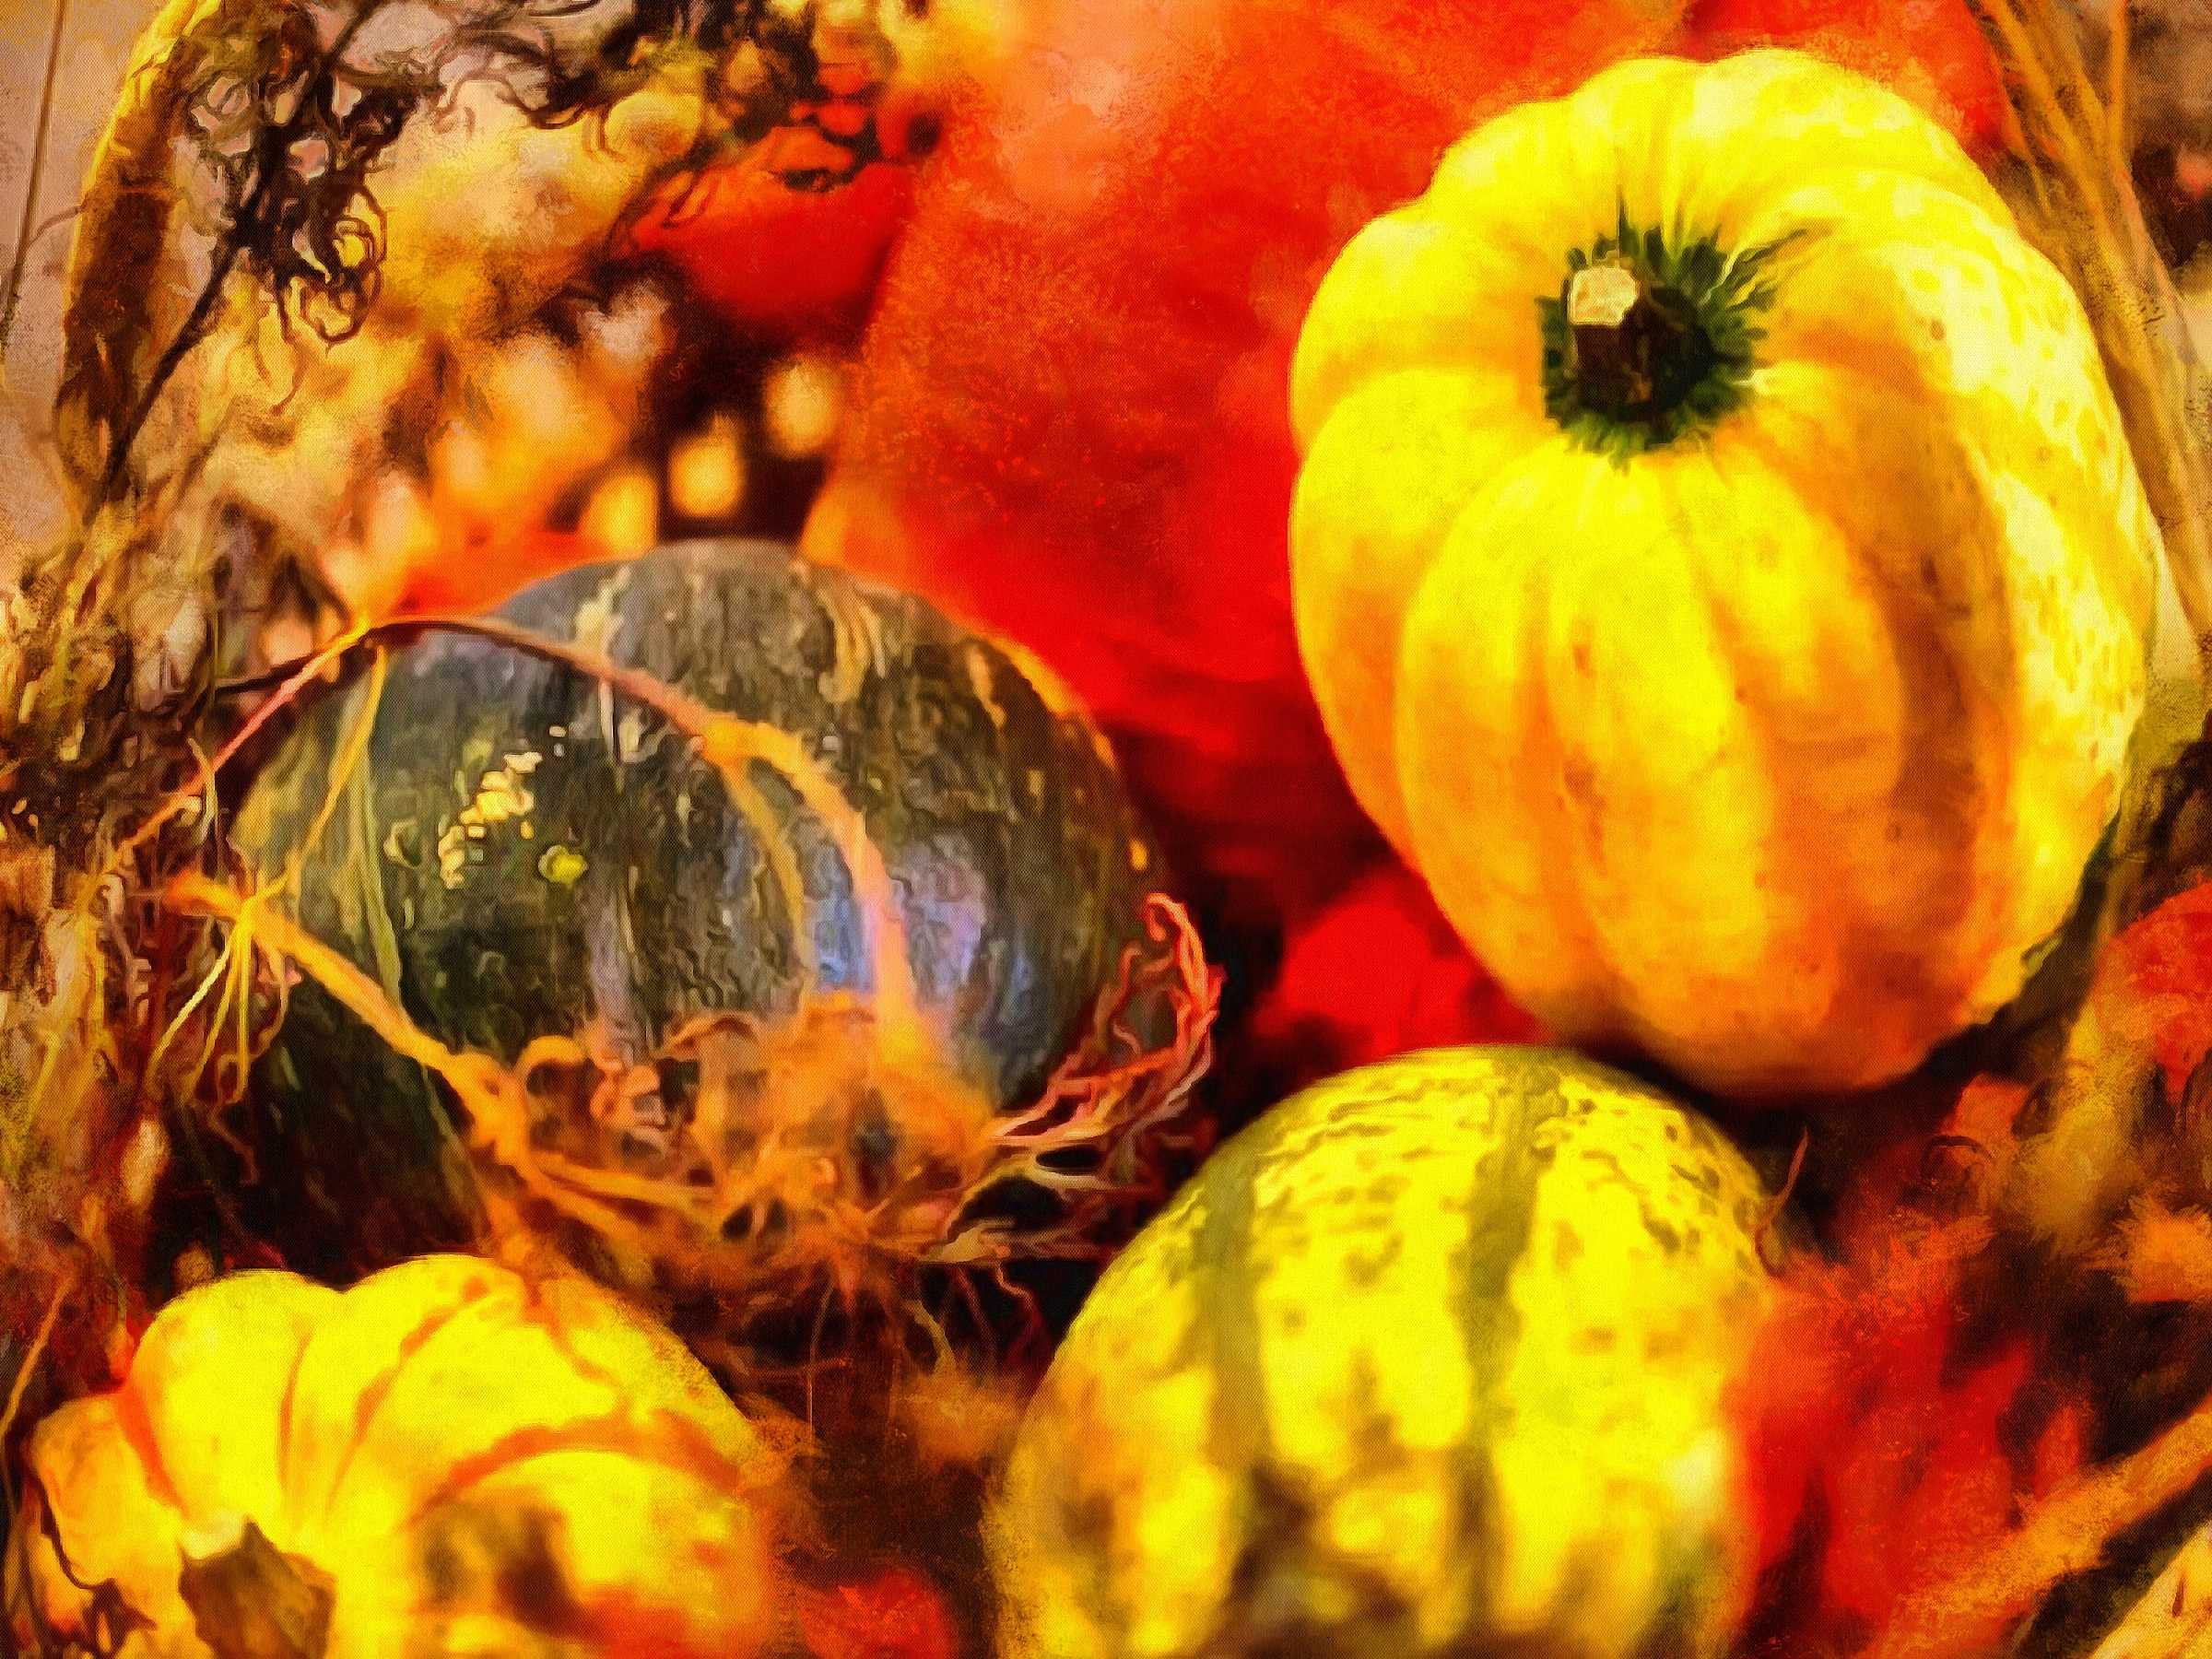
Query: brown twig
x,y
36,1351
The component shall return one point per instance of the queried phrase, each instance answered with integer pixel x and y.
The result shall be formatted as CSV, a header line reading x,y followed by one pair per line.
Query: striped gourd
x,y
1430,1358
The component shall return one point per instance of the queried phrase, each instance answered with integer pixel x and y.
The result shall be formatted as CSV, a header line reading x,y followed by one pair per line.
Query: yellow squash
x,y
446,1459
1433,1359
1721,567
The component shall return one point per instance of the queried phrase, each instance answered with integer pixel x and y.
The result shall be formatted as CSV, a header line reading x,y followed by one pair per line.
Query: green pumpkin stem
x,y
1648,343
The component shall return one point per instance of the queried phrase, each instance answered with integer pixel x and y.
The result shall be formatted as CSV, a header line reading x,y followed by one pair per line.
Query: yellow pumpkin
x,y
1432,1358
1721,567
445,1459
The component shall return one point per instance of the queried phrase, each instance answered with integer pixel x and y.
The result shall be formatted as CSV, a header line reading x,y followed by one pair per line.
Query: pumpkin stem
x,y
1648,341
1635,350
253,1601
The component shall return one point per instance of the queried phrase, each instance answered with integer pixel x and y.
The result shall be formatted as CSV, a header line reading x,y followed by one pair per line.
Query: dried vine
x,y
238,179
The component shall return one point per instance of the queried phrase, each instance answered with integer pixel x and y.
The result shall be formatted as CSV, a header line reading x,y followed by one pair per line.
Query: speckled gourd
x,y
1432,1358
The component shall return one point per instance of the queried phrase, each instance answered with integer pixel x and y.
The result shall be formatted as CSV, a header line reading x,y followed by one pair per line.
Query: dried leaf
x,y
2163,1256
2173,1620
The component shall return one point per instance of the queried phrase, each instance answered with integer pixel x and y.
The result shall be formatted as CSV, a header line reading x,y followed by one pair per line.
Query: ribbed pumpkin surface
x,y
444,1459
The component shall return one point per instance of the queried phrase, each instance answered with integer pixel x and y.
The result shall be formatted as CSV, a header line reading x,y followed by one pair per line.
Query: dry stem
x,y
1965,1613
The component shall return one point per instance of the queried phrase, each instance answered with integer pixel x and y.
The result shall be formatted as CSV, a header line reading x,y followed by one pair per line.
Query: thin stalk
x,y
29,230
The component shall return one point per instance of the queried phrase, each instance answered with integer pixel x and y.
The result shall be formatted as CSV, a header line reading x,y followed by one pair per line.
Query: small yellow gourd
x,y
445,1459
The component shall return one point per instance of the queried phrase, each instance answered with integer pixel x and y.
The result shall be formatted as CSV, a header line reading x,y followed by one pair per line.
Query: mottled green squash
x,y
524,852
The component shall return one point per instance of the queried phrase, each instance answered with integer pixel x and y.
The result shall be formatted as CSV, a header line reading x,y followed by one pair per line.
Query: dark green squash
x,y
524,851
